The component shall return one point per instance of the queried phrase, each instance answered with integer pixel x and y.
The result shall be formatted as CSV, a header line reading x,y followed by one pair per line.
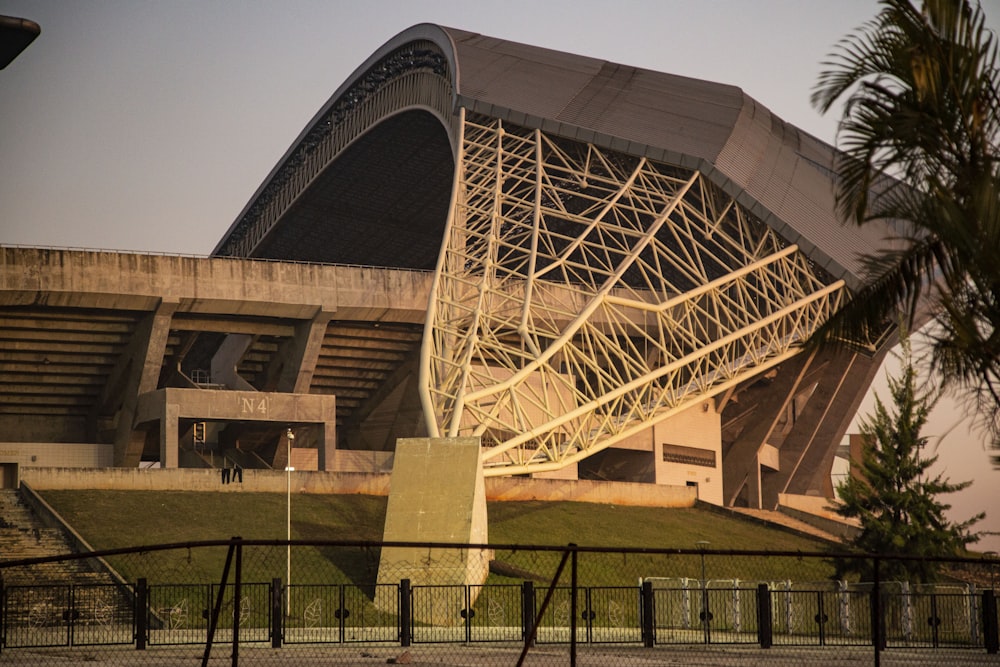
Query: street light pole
x,y
289,439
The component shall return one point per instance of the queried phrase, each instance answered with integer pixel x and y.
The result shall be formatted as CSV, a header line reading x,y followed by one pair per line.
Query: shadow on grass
x,y
358,565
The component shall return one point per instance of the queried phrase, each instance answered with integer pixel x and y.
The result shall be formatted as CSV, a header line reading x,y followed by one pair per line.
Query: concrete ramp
x,y
436,494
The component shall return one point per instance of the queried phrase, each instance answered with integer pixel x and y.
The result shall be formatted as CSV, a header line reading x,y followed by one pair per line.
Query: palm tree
x,y
920,145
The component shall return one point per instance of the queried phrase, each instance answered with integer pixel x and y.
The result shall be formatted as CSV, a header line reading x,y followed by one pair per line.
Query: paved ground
x,y
474,656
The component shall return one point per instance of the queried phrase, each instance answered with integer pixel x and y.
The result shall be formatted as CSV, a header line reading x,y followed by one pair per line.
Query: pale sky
x,y
142,125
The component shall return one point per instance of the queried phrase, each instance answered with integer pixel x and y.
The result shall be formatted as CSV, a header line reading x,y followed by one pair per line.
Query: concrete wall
x,y
137,281
274,481
819,512
57,454
571,471
190,479
586,491
700,426
362,460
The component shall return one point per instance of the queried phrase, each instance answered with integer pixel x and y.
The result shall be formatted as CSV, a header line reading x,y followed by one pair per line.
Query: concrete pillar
x,y
227,358
436,494
146,359
812,474
740,469
822,425
169,449
327,445
294,365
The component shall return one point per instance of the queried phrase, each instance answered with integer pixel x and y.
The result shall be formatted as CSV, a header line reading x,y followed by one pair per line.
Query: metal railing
x,y
568,599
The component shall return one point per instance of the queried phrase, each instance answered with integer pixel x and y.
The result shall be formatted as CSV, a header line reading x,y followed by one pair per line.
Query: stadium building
x,y
600,272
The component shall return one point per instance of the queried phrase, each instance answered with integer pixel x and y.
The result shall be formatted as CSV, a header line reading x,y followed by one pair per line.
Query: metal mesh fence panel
x,y
178,613
497,614
264,603
611,615
36,616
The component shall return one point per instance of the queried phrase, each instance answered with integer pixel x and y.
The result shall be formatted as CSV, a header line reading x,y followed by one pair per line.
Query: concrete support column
x,y
169,449
143,365
753,485
327,444
438,495
740,461
821,430
293,367
227,358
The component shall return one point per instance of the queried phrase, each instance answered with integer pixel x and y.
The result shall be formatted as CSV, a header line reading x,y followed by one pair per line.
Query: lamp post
x,y
992,555
705,617
289,439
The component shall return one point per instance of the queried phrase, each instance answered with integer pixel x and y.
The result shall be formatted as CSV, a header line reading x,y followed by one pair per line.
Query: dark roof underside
x,y
383,202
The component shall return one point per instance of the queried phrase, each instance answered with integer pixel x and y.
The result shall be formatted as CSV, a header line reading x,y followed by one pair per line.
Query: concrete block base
x,y
436,494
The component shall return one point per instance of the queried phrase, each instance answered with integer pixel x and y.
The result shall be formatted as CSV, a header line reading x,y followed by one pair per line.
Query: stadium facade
x,y
600,272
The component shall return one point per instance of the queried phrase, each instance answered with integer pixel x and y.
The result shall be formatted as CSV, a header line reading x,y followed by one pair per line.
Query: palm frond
x,y
920,146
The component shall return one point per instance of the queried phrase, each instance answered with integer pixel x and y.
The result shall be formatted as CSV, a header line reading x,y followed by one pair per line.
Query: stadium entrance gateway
x,y
168,406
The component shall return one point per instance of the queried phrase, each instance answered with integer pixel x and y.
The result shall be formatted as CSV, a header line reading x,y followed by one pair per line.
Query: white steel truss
x,y
583,295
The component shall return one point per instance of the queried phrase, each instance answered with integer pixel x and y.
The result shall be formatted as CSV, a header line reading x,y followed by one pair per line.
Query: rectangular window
x,y
689,455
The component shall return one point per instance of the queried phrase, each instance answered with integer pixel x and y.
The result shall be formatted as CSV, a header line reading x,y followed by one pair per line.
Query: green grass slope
x,y
115,519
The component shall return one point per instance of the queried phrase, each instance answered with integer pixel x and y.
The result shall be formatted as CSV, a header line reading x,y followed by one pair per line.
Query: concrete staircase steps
x,y
23,535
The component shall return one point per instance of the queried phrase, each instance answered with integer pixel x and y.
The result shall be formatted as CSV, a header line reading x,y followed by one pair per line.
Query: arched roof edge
x,y
719,149
422,31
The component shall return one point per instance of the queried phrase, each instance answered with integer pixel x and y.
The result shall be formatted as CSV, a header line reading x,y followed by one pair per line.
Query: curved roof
x,y
780,173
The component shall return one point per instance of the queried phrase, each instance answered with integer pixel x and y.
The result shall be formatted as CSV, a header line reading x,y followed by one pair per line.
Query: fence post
x,y
876,616
844,607
991,633
973,613
686,603
821,618
737,608
141,616
213,622
706,613
468,613
528,611
342,612
277,625
765,622
405,613
648,615
572,606
237,601
934,621
530,639
907,612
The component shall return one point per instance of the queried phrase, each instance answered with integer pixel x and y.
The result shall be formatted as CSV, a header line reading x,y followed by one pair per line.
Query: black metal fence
x,y
540,605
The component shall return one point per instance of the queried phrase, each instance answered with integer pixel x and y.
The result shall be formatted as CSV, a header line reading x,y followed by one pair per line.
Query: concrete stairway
x,y
23,535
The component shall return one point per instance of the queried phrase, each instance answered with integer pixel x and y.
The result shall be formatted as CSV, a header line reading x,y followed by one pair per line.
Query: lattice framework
x,y
583,295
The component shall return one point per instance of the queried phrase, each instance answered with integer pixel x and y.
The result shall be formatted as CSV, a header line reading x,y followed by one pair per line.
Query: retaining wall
x,y
375,484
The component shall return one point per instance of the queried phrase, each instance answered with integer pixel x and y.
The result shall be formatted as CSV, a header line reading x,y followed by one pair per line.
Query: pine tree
x,y
894,498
